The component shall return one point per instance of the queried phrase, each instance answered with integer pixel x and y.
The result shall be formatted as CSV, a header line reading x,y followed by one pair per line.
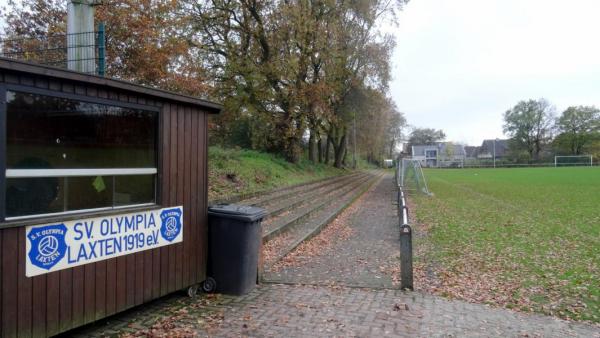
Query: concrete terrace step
x,y
277,225
286,242
282,193
278,206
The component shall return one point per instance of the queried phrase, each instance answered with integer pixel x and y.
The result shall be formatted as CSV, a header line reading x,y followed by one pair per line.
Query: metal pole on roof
x,y
80,36
101,49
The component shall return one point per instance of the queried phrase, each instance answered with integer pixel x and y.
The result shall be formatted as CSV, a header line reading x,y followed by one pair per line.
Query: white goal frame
x,y
591,157
407,164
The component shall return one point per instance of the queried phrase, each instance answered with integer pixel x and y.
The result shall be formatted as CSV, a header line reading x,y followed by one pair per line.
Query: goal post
x,y
410,176
573,160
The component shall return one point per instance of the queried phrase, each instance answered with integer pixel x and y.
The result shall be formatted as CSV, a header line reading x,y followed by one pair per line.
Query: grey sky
x,y
459,65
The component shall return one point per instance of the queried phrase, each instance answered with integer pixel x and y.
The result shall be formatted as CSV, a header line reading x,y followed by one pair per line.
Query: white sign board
x,y
62,245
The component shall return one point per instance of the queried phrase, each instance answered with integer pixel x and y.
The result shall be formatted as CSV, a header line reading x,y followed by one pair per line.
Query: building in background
x,y
471,152
441,154
493,148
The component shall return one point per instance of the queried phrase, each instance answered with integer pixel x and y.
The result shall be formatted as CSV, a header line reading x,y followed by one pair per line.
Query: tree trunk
x,y
345,158
370,156
291,133
291,155
320,149
328,146
531,151
339,151
312,144
292,149
538,149
290,130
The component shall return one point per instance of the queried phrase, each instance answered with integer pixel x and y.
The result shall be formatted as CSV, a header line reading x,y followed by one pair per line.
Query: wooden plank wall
x,y
52,303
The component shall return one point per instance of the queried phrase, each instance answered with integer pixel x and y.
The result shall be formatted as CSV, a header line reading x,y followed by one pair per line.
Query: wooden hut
x,y
104,196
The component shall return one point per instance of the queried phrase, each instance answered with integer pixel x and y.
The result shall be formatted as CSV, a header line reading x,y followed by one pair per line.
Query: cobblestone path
x,y
347,290
276,310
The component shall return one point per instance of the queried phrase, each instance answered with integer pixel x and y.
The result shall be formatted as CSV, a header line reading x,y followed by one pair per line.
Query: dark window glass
x,y
66,133
45,132
134,189
89,192
30,196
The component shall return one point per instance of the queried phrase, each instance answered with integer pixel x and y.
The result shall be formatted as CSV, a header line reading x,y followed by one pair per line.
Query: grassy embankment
x,y
520,238
239,171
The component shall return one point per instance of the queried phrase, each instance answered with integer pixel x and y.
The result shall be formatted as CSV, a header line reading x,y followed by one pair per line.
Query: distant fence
x,y
468,165
60,50
406,252
527,165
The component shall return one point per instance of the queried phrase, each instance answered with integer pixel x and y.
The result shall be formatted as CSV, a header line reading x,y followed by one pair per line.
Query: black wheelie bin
x,y
234,241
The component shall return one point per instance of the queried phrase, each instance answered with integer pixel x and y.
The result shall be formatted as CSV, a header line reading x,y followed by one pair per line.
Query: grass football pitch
x,y
525,238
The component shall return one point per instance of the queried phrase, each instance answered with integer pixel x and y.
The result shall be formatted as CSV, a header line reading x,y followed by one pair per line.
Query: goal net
x,y
409,176
573,160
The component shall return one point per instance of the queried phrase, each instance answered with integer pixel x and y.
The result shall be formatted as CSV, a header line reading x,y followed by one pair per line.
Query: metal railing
x,y
83,52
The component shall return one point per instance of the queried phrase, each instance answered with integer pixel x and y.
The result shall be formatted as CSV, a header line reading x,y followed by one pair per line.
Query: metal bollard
x,y
406,268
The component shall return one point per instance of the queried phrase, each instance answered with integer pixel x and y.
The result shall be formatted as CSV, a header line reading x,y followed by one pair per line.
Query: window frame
x,y
430,151
76,172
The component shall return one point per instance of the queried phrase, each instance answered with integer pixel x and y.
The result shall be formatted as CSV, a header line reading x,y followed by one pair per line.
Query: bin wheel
x,y
209,285
192,291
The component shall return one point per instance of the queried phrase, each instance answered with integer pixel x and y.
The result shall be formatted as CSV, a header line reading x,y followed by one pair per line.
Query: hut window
x,y
66,155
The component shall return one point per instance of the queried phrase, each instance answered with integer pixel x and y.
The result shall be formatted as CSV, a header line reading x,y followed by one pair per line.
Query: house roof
x,y
8,65
471,151
487,147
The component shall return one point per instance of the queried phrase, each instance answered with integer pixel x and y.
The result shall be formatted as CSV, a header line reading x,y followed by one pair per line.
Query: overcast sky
x,y
460,64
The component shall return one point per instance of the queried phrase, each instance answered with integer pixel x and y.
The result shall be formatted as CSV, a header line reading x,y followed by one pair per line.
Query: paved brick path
x,y
377,309
302,311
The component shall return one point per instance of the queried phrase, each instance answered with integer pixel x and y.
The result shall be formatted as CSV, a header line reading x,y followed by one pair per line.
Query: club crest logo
x,y
170,223
48,245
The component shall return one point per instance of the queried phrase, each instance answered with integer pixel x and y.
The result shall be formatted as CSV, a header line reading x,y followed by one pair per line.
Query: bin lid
x,y
239,212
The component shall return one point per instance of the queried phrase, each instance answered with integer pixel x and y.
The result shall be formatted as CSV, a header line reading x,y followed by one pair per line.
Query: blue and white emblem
x,y
171,223
48,245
